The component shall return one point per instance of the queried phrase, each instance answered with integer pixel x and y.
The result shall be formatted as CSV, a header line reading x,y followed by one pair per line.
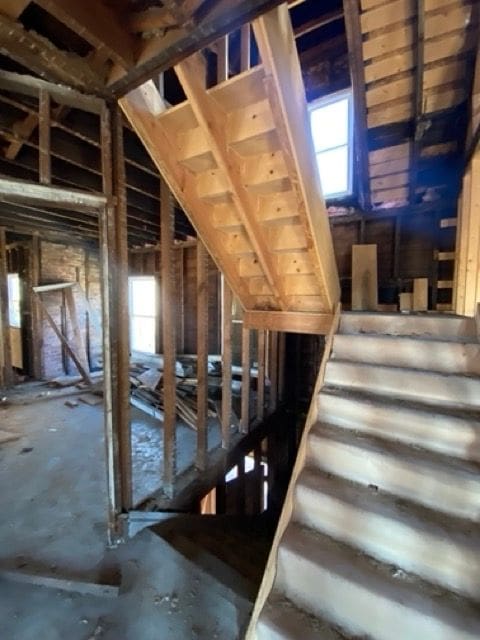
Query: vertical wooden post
x,y
222,59
80,348
36,318
273,399
226,363
181,301
114,273
281,366
245,40
245,411
167,219
44,160
6,378
202,356
261,374
258,470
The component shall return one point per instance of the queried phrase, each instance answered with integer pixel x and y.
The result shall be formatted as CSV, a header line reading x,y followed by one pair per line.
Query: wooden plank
x,y
53,287
273,370
28,192
245,47
167,231
420,294
286,93
472,267
227,300
364,277
76,359
61,584
97,24
222,59
44,168
357,73
406,301
281,366
245,400
387,15
385,44
288,321
202,356
261,344
444,22
36,329
388,154
79,342
6,371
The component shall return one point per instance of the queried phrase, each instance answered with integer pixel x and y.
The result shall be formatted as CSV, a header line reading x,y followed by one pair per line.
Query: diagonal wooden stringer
x,y
239,159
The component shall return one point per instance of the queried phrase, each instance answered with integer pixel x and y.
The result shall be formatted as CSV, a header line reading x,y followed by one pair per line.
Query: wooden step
x,y
251,129
445,484
437,548
364,597
416,324
449,433
213,187
266,173
194,151
279,208
225,216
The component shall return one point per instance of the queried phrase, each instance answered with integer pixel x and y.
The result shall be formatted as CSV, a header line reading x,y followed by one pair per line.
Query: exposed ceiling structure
x,y
410,63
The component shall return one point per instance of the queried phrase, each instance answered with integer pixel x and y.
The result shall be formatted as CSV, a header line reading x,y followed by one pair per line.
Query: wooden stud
x,y
418,98
261,374
222,59
273,370
245,47
281,366
167,222
202,356
245,412
227,300
6,371
36,329
420,294
77,333
44,168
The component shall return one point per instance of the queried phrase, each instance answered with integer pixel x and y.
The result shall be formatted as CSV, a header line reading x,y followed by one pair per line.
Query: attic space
x,y
239,319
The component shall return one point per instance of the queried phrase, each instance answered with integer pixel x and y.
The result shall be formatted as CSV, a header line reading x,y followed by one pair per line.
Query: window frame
x,y
132,315
324,101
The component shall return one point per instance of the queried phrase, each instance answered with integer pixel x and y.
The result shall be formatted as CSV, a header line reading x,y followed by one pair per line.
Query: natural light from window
x,y
331,125
142,299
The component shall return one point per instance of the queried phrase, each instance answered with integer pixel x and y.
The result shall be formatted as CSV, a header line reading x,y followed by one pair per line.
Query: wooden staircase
x,y
239,159
379,536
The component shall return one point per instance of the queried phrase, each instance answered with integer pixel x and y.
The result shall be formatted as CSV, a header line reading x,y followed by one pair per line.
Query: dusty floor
x,y
53,505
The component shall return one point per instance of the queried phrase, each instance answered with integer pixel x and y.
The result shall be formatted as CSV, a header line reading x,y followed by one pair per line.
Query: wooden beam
x,y
97,24
36,329
63,95
245,401
285,88
245,47
227,300
42,57
169,50
418,98
357,72
319,22
213,122
26,192
202,356
44,163
167,221
273,370
261,343
6,371
289,321
80,348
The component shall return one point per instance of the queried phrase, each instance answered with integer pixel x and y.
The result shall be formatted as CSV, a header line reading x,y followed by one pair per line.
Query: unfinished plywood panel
x,y
406,301
420,294
364,277
16,347
240,160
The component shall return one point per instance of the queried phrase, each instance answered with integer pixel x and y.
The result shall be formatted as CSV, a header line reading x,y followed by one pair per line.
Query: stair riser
x,y
403,324
440,433
401,541
360,608
452,391
444,490
446,357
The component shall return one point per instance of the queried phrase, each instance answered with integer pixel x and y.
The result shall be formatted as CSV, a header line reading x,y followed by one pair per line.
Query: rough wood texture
x,y
364,277
6,372
202,356
420,294
289,322
227,300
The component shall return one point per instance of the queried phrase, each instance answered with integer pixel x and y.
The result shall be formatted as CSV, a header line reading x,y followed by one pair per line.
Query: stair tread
x,y
456,341
368,397
284,620
408,370
387,581
462,531
424,458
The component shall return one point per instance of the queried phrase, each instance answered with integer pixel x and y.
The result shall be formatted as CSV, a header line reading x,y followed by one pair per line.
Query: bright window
x,y
331,124
143,317
14,317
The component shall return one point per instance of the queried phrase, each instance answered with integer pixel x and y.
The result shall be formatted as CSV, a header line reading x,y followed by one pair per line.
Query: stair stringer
x,y
288,505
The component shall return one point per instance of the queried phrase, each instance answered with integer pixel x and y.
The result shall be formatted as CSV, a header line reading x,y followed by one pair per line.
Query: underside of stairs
x,y
239,159
380,534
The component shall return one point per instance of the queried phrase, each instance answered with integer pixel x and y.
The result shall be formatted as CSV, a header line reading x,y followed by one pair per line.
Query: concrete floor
x,y
53,507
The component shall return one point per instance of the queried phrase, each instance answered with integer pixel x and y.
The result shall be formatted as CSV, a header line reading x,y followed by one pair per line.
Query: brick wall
x,y
69,263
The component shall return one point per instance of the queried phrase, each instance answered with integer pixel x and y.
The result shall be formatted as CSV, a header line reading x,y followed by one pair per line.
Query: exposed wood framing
x,y
26,192
418,97
202,356
357,72
261,348
41,56
245,401
291,322
273,369
6,371
227,300
44,125
36,329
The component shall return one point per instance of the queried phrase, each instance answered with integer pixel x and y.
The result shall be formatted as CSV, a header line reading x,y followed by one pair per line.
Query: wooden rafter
x,y
173,46
355,54
42,57
213,122
97,24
